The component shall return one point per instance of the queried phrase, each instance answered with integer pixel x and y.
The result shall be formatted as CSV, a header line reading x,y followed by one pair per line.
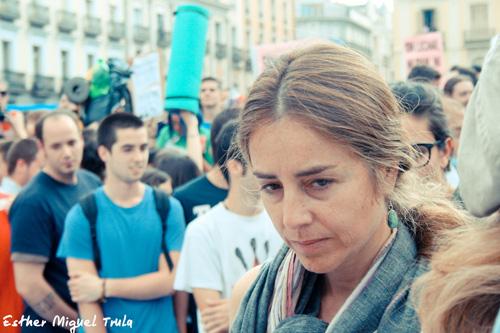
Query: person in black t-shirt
x,y
204,192
37,220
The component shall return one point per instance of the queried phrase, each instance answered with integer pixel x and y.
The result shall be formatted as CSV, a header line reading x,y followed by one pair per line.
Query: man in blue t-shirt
x,y
37,219
134,276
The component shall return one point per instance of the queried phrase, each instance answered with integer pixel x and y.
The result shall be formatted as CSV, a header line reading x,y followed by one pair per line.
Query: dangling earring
x,y
392,217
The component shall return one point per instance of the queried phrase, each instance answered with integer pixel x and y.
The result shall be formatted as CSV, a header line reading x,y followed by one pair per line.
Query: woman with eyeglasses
x,y
322,133
427,129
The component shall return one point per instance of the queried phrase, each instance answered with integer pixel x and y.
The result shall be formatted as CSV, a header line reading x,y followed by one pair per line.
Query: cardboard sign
x,y
148,98
426,49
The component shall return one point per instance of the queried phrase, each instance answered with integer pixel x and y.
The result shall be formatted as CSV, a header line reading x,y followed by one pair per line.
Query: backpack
x,y
89,208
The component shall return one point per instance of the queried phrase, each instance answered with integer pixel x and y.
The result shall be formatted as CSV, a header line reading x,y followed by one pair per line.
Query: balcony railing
x,y
141,34
16,81
92,26
66,21
43,86
220,51
164,39
116,31
9,10
38,15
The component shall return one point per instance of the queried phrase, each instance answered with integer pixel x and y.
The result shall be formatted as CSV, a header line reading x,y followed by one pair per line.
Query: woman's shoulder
x,y
240,289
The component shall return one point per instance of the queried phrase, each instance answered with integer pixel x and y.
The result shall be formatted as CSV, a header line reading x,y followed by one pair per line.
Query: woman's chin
x,y
319,265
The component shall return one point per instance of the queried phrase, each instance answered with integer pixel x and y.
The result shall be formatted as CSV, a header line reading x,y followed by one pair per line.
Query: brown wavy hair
x,y
339,94
461,292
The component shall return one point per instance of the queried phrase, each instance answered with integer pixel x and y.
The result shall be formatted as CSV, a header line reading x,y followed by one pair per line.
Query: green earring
x,y
392,219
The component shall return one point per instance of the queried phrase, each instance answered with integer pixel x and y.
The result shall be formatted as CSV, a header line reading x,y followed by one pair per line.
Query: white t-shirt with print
x,y
220,246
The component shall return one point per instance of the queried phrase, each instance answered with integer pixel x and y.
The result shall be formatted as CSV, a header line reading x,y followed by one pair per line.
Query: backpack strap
x,y
89,208
162,204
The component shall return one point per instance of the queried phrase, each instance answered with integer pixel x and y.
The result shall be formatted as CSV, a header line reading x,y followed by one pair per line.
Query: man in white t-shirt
x,y
220,246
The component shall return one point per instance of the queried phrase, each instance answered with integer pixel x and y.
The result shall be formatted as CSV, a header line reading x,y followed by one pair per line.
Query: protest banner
x,y
147,86
425,49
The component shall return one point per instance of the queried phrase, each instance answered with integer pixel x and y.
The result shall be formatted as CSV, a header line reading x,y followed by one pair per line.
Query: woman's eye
x,y
270,188
321,183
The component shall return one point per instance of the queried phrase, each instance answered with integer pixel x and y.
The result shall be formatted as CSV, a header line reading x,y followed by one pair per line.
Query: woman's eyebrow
x,y
304,173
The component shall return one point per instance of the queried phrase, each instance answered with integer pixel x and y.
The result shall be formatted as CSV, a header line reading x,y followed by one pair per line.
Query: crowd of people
x,y
330,201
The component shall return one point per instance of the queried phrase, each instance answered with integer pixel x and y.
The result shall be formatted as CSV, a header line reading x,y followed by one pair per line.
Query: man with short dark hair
x,y
210,98
37,219
426,74
129,239
24,160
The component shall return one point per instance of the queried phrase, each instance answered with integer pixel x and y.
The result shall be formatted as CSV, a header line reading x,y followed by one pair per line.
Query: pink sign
x,y
426,49
266,53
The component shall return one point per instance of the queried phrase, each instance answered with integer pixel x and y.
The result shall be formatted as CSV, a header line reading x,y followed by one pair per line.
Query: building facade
x,y
45,42
467,27
364,28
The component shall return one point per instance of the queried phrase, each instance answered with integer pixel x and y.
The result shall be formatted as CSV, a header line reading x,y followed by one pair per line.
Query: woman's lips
x,y
308,246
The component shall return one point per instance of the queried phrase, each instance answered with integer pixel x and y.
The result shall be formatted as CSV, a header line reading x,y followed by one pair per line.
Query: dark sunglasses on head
x,y
4,93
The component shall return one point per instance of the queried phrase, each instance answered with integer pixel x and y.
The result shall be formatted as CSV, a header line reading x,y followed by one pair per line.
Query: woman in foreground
x,y
321,131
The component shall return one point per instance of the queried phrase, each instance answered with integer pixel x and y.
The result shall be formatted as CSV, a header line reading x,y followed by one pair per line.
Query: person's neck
x,y
69,179
216,178
241,203
18,179
209,113
124,194
342,281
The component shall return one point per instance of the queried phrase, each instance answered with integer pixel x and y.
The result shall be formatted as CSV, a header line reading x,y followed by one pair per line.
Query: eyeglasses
x,y
422,152
4,93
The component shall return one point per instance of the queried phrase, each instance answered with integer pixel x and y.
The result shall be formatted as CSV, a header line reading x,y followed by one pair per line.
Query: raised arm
x,y
193,141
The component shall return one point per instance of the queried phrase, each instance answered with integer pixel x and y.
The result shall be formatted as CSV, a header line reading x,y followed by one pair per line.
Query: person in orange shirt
x,y
11,303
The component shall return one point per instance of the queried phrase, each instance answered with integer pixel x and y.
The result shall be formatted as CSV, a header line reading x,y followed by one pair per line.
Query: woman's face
x,y
320,196
418,131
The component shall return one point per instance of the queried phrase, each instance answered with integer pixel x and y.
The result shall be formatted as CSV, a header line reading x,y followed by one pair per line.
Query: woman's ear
x,y
390,178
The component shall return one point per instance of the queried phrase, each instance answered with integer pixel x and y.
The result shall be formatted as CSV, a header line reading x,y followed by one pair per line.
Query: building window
x,y
137,16
89,4
159,21
64,64
6,55
479,16
37,61
218,32
247,7
429,16
90,60
113,13
233,36
248,39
